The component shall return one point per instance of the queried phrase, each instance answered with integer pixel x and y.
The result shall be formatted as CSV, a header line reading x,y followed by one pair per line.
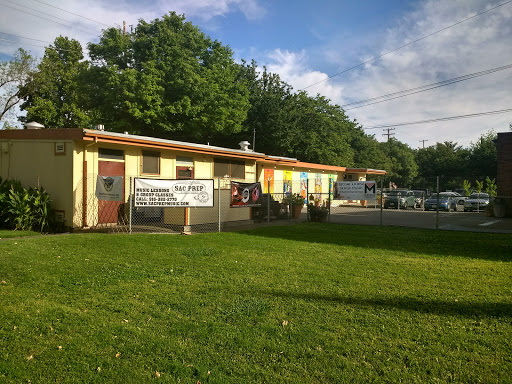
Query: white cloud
x,y
476,45
292,68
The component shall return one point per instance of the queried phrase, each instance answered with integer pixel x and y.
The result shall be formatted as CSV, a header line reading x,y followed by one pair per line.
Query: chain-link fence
x,y
291,200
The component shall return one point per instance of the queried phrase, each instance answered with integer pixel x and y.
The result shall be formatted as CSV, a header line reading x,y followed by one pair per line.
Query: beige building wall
x,y
41,163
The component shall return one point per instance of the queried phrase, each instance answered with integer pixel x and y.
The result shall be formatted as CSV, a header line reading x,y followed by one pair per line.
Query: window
x,y
151,162
110,154
231,168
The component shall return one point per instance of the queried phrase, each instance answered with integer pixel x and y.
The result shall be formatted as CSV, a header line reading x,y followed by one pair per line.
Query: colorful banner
x,y
109,188
173,193
304,186
355,190
332,180
245,194
287,182
268,184
318,186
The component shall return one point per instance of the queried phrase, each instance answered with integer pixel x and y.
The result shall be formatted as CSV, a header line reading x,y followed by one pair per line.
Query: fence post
x,y
218,200
307,199
437,204
269,196
131,203
381,198
329,214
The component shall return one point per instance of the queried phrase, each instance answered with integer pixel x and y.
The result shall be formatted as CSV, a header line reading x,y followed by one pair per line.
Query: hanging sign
x,y
109,188
355,190
173,193
245,194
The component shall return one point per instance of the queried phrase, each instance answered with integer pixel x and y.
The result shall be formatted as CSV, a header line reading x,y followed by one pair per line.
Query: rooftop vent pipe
x,y
244,145
33,125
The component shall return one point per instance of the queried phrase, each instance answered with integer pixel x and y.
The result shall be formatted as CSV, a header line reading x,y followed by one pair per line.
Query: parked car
x,y
419,198
400,199
455,195
446,203
476,202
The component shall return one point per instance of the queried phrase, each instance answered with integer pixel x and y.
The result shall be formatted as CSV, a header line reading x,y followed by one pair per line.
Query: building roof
x,y
157,143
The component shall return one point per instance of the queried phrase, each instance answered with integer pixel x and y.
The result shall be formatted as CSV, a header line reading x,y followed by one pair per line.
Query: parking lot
x,y
417,218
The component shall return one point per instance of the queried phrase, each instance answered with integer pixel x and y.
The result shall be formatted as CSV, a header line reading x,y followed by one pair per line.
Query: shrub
x,y
22,209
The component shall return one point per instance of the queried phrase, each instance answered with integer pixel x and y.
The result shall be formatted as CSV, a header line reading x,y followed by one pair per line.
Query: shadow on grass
x,y
486,246
437,307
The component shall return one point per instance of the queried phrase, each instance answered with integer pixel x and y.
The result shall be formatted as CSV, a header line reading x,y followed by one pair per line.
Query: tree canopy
x,y
14,75
168,79
54,96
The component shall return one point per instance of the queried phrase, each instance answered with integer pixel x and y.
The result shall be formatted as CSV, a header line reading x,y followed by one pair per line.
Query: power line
x,y
23,37
53,21
423,88
405,45
37,45
75,14
441,119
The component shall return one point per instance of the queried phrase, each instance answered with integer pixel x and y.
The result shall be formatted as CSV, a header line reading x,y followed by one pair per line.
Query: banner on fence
x,y
245,194
173,193
109,188
355,190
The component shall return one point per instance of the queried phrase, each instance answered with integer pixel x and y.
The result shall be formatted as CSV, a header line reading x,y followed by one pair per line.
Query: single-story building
x,y
67,161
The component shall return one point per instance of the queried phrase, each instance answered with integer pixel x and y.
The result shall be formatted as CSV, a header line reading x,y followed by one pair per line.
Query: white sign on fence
x,y
173,193
355,190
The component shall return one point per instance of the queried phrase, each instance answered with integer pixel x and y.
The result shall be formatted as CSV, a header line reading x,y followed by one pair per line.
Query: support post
x,y
131,203
437,204
218,200
269,196
381,198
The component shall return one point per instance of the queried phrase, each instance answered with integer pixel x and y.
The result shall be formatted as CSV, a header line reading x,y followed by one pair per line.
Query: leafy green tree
x,y
14,76
447,160
490,186
400,163
167,79
467,187
483,156
54,98
479,186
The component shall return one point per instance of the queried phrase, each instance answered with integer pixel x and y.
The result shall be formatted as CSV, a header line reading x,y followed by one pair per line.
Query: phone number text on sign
x,y
173,193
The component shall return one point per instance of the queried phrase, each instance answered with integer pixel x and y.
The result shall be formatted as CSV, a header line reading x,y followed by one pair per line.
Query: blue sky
x,y
306,42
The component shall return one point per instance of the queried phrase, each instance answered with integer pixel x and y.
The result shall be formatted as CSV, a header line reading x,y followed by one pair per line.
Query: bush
x,y
22,209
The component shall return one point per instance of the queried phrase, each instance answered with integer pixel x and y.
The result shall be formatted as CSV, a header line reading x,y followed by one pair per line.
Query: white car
x,y
476,202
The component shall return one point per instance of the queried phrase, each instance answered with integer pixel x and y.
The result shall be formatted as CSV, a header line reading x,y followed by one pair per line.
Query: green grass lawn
x,y
310,303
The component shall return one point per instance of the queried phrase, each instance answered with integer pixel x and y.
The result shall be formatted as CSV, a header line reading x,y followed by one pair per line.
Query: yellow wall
x,y
34,164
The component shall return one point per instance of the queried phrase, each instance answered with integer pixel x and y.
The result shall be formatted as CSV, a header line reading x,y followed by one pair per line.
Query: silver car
x,y
476,202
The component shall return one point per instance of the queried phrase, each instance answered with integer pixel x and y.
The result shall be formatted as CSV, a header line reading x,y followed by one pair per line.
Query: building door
x,y
108,210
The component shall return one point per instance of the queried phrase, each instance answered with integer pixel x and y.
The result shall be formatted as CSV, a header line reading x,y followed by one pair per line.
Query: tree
x,y
54,97
14,75
447,160
167,79
400,165
483,156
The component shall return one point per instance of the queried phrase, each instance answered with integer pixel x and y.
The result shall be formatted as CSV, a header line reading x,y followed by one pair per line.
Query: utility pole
x,y
124,27
388,134
423,141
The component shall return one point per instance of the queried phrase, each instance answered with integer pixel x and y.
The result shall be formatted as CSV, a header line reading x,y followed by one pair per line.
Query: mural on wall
x,y
268,175
332,180
318,186
304,186
287,182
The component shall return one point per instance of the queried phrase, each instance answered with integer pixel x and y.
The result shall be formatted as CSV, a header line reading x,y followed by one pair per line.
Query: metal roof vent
x,y
33,125
244,145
